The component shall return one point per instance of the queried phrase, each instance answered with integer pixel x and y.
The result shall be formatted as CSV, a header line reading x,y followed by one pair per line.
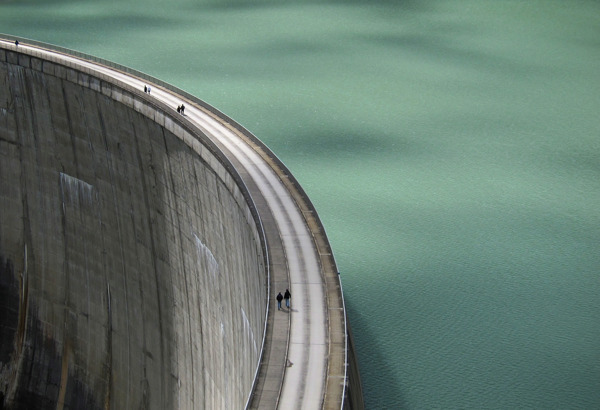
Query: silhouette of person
x,y
287,297
279,299
178,108
182,108
16,42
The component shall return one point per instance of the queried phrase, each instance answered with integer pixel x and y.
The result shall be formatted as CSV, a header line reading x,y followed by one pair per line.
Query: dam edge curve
x,y
342,380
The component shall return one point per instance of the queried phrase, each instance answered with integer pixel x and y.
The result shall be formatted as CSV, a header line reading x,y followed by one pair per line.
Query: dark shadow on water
x,y
440,44
345,142
35,2
375,368
242,4
108,24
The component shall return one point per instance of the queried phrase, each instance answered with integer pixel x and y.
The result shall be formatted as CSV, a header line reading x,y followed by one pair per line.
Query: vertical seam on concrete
x,y
156,280
144,356
175,213
108,336
120,235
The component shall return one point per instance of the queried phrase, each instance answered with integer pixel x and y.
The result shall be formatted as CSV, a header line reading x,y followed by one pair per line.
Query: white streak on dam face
x,y
205,255
248,330
75,191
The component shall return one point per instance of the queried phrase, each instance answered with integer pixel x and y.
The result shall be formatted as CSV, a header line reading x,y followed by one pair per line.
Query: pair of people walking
x,y
180,108
281,297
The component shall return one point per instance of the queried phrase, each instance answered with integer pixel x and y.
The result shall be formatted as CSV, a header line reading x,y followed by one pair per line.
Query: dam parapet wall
x,y
130,252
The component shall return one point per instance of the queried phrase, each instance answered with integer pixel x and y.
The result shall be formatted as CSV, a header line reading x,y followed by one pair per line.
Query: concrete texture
x,y
135,261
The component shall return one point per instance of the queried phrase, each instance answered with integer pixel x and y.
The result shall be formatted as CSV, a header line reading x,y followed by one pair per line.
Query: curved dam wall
x,y
133,268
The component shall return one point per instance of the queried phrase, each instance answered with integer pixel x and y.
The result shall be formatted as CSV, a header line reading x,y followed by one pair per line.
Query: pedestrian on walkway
x,y
17,43
179,108
145,89
182,108
279,299
287,297
148,89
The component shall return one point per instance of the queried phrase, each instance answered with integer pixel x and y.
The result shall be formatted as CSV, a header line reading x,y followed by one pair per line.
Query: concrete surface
x,y
139,248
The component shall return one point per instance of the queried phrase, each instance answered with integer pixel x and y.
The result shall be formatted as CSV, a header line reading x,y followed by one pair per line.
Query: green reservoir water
x,y
452,149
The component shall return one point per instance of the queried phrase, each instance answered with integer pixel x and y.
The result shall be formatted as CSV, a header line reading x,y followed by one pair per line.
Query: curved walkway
x,y
302,366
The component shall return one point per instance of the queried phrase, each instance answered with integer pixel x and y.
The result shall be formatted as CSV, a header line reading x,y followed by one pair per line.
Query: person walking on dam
x,y
279,299
287,297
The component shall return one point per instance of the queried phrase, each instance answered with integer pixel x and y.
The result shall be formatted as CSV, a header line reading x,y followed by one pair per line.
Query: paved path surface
x,y
294,368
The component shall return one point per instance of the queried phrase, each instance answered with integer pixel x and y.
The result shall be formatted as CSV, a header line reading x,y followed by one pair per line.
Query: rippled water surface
x,y
452,149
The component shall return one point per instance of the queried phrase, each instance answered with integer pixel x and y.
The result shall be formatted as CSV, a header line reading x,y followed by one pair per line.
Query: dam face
x,y
132,270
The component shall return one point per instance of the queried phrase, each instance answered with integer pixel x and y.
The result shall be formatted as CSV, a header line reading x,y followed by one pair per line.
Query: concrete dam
x,y
141,251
